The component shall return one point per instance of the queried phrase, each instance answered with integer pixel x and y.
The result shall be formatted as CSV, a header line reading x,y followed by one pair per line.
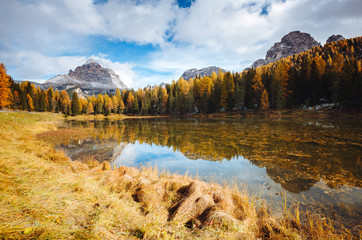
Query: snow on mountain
x,y
91,77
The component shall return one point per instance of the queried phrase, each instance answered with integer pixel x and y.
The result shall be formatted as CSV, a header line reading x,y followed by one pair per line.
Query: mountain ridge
x,y
91,77
193,72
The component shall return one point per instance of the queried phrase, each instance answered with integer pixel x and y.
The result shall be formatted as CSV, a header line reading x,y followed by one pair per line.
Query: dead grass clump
x,y
44,151
143,182
119,184
77,166
221,220
151,198
223,200
90,162
104,166
191,202
133,172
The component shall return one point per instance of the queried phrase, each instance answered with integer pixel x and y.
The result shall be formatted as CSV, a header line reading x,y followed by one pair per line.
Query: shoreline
x,y
55,198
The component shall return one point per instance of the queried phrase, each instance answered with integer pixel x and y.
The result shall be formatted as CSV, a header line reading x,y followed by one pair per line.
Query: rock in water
x,y
292,43
193,72
335,38
91,77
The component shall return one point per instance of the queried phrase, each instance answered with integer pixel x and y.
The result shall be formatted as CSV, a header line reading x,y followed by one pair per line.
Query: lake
x,y
315,163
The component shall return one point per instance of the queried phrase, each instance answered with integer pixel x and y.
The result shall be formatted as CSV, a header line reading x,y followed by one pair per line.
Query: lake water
x,y
313,162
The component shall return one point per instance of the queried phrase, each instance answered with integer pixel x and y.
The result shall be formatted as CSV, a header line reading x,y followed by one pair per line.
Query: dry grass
x,y
44,196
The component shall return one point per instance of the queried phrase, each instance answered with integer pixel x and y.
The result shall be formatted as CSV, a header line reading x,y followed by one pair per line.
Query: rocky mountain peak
x,y
335,38
193,72
90,61
292,43
91,77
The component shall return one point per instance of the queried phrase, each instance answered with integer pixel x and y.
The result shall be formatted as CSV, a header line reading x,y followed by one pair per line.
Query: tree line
x,y
332,73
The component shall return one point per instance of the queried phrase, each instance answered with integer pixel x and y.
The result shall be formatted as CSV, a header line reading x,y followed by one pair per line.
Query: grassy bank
x,y
45,196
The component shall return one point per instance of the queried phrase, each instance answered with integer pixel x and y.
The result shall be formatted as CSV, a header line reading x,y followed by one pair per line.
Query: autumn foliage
x,y
328,74
5,92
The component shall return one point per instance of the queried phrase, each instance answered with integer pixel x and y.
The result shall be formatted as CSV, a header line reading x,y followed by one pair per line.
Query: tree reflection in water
x,y
320,158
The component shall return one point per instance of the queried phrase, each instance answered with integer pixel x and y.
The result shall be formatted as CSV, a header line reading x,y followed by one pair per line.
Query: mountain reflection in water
x,y
316,157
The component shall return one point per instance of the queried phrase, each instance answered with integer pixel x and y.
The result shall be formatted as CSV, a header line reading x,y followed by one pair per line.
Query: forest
x,y
328,74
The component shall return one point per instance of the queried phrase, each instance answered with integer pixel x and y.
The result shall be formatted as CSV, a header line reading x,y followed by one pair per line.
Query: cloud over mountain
x,y
229,34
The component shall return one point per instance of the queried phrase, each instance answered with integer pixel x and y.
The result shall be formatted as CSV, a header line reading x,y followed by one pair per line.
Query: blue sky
x,y
154,41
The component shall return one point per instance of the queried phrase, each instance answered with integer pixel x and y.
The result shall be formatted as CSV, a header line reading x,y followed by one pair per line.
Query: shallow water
x,y
315,162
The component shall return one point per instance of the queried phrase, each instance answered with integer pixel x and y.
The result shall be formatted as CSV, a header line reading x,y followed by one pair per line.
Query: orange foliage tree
x,y
5,91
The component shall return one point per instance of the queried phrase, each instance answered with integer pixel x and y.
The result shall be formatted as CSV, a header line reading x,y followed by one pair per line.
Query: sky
x,y
147,42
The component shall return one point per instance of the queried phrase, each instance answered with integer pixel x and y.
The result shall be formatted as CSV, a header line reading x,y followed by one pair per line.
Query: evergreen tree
x,y
51,99
42,101
75,104
99,104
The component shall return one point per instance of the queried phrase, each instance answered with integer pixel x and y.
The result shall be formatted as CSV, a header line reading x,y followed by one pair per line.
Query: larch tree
x,y
99,104
64,103
121,106
30,102
90,109
130,102
264,100
5,91
16,99
163,99
108,106
115,104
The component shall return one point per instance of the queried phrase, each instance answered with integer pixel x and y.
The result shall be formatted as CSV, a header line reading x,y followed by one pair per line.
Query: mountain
x,y
335,38
193,72
91,77
292,43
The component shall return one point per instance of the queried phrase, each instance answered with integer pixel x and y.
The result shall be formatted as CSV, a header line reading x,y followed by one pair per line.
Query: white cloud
x,y
35,65
47,26
39,38
138,21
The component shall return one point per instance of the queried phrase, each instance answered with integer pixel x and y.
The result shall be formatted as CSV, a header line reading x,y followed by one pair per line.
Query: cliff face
x,y
91,77
292,43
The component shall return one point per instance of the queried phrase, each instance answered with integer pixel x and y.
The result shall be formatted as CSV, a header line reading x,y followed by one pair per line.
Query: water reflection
x,y
296,154
315,161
